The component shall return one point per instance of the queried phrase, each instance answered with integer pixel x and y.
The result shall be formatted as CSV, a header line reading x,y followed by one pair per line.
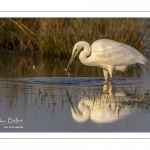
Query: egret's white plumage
x,y
107,54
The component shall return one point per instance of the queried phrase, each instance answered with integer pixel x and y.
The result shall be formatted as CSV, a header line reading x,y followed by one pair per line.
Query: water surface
x,y
36,96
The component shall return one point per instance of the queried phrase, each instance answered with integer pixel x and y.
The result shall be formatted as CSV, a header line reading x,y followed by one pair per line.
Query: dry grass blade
x,y
143,95
23,27
55,37
2,24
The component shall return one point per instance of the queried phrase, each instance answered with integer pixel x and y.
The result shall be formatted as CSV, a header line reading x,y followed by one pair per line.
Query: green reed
x,y
53,37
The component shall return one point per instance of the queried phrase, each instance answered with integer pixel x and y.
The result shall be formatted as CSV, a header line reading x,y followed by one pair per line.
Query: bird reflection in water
x,y
103,108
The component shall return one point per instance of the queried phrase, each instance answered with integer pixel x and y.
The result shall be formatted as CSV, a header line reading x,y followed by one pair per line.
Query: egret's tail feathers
x,y
142,60
145,69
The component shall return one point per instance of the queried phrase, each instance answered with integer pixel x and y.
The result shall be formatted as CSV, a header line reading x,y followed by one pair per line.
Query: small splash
x,y
68,74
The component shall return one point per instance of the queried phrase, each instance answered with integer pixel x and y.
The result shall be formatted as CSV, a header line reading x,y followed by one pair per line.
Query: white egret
x,y
108,54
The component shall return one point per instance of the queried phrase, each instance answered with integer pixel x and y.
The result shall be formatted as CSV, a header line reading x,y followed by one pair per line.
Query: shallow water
x,y
47,101
84,105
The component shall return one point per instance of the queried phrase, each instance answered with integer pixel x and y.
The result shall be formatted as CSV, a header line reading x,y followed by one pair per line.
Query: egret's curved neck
x,y
84,55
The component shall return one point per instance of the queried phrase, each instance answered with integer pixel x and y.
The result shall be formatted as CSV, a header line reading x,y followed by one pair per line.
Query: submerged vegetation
x,y
55,37
24,95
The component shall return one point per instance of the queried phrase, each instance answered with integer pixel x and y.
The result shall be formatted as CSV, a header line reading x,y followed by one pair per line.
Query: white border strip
x,y
71,5
74,135
58,14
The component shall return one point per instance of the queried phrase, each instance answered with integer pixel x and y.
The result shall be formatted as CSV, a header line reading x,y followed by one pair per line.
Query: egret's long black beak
x,y
74,54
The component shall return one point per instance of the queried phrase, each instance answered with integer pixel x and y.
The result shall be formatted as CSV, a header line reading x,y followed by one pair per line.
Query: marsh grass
x,y
55,37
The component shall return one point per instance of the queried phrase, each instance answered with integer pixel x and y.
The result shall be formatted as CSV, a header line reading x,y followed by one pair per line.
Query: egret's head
x,y
75,51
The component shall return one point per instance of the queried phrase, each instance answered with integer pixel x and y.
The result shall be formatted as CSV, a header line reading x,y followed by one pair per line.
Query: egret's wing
x,y
111,52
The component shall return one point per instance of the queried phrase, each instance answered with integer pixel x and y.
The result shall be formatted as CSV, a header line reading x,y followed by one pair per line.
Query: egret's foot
x,y
111,79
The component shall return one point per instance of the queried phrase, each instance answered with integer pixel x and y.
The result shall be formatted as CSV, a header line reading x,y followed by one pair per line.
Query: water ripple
x,y
77,80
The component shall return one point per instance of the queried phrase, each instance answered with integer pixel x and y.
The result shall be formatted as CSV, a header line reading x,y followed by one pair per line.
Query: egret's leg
x,y
110,79
110,70
105,72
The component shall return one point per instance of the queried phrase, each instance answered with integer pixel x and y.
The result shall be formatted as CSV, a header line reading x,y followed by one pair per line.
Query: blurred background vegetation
x,y
55,37
43,46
